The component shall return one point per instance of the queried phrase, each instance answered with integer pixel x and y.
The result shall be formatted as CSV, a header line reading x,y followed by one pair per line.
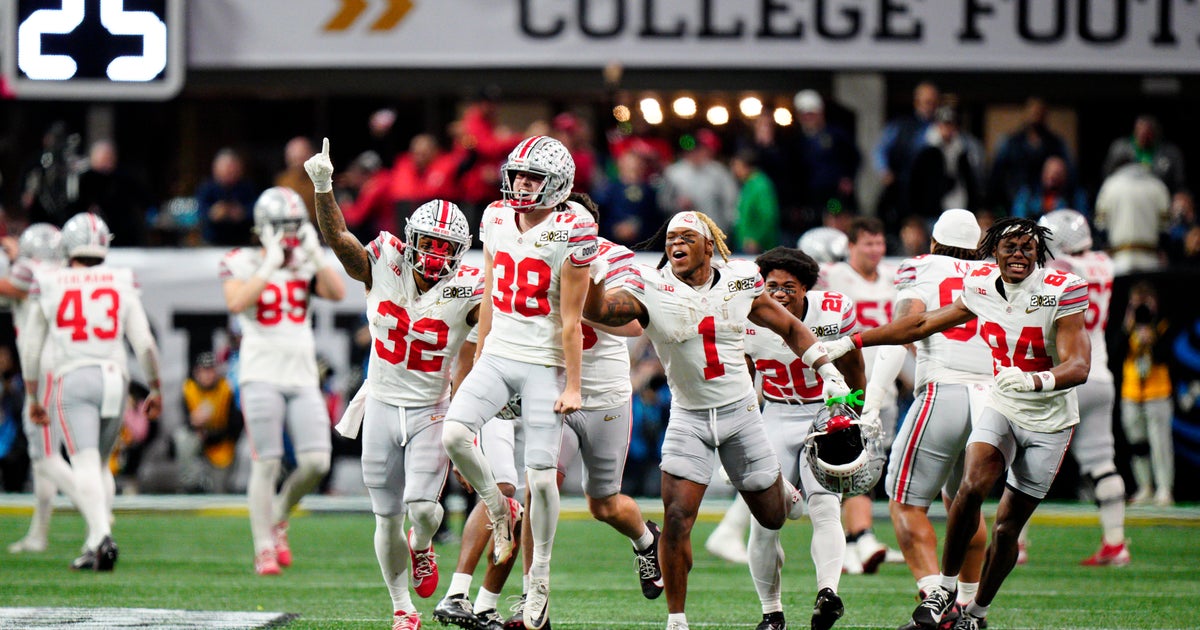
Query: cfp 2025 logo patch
x,y
457,292
553,236
1038,301
741,284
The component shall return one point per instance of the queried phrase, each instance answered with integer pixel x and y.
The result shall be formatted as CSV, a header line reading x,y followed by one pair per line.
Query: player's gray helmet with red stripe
x,y
443,221
284,210
824,244
844,455
544,157
42,242
1069,231
86,235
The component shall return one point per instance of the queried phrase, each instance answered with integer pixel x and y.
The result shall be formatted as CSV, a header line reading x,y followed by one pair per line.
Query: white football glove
x,y
310,243
839,347
320,169
1013,379
835,384
273,256
870,422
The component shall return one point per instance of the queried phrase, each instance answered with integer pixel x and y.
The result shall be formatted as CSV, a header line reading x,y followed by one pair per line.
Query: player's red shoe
x,y
424,572
1109,556
265,563
406,621
283,552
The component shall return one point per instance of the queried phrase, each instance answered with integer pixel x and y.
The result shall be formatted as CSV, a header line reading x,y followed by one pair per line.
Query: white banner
x,y
1017,35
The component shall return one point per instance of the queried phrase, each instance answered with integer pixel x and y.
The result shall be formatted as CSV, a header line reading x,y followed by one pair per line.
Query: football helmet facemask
x,y
825,244
845,455
41,242
544,157
86,235
1069,232
446,235
284,210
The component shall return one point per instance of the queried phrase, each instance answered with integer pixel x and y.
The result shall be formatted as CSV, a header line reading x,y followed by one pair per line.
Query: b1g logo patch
x,y
457,292
741,285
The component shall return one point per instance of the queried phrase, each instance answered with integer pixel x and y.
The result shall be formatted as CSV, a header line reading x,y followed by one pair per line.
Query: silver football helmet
x,y
845,455
449,239
825,244
86,235
1069,232
284,210
41,242
544,157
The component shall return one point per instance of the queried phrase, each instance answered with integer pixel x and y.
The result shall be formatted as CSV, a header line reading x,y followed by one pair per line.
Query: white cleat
x,y
28,545
727,547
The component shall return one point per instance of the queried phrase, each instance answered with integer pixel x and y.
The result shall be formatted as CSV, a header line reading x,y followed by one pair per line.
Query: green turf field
x,y
201,561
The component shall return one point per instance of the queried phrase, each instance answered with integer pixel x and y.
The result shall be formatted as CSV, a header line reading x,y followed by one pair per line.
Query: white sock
x,y
543,509
949,582
525,583
966,591
260,494
677,618
486,600
766,566
460,584
392,552
311,467
975,610
88,482
828,543
425,516
460,445
641,543
59,471
44,491
925,584
109,483
1110,496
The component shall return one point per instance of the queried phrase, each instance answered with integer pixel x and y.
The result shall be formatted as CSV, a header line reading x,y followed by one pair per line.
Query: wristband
x,y
857,339
814,353
1047,378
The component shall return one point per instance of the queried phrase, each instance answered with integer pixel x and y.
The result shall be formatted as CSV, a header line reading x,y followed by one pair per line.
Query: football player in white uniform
x,y
39,248
1032,318
953,377
268,288
794,395
537,249
86,311
695,312
867,280
421,305
1071,244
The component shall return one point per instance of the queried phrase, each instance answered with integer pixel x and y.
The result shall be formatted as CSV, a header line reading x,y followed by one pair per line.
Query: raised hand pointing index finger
x,y
325,147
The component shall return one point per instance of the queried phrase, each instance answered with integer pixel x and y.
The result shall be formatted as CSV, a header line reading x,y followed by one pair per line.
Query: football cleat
x,y
504,533
265,563
537,603
851,565
935,604
85,562
967,621
1109,556
772,621
727,547
455,610
106,554
28,545
649,571
490,619
406,621
283,551
871,553
827,609
677,625
517,620
424,573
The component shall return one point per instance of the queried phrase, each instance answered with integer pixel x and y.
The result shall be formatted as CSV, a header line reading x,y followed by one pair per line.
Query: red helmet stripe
x,y
444,215
528,146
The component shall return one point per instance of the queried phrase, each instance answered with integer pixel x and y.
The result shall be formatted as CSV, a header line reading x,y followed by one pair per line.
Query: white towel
x,y
352,418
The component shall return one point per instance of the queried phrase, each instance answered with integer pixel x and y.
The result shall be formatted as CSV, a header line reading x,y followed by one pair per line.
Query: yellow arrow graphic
x,y
346,16
396,11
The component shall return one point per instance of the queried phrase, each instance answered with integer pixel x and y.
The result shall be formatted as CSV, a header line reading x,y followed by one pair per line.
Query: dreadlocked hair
x,y
960,253
587,202
658,242
1011,227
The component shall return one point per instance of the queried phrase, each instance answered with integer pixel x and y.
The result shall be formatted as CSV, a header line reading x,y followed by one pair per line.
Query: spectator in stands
x,y
1183,220
827,161
206,446
649,413
576,135
757,226
293,176
382,135
1020,159
640,136
419,174
1133,206
1147,147
897,148
364,192
699,182
227,201
14,458
776,158
1054,191
914,237
630,201
1146,398
947,171
112,193
480,146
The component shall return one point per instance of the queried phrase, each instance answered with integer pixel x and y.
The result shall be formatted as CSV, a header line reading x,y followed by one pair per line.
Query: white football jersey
x,y
22,274
1097,269
415,336
1021,327
785,377
955,355
604,377
526,271
699,333
277,340
873,299
88,311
